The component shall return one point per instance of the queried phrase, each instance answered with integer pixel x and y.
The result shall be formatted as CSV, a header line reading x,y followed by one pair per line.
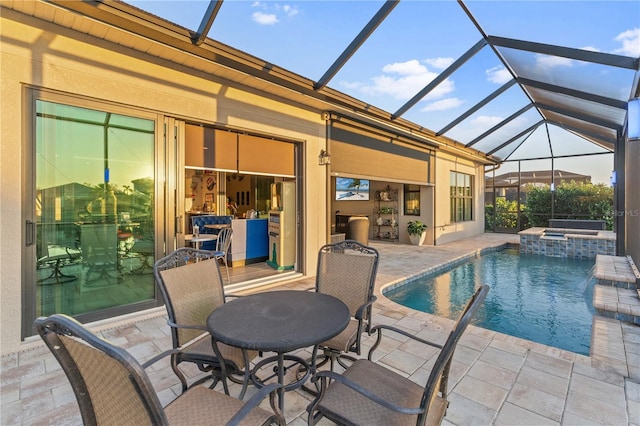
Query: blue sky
x,y
417,41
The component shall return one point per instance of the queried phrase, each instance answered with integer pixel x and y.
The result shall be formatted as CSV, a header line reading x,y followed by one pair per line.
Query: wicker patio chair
x,y
191,285
370,394
346,270
111,387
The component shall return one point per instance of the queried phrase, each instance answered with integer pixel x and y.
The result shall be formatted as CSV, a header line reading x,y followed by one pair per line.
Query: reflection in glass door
x,y
94,210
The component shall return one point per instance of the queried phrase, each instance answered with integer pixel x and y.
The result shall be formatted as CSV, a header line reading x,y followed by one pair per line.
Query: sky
x,y
421,38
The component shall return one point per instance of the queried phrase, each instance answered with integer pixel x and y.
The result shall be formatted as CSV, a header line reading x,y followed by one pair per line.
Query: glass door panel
x,y
94,210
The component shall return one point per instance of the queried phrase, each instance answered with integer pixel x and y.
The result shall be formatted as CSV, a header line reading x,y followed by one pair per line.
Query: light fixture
x,y
614,178
324,159
633,119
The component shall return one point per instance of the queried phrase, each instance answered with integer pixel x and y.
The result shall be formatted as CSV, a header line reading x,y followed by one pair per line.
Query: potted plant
x,y
417,232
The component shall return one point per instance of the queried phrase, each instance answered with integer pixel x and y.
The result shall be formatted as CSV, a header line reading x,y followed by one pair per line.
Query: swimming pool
x,y
544,299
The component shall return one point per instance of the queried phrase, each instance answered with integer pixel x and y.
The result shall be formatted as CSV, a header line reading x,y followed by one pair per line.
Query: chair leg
x,y
176,370
227,268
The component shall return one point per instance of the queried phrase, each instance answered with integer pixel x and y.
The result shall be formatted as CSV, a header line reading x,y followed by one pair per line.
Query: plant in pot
x,y
417,232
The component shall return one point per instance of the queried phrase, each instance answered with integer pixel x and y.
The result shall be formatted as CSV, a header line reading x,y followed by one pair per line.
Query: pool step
x,y
616,294
616,271
618,303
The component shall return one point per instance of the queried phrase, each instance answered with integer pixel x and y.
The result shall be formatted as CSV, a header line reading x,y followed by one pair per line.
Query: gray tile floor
x,y
496,379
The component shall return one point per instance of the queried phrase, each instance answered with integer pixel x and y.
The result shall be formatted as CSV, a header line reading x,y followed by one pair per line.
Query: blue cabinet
x,y
257,239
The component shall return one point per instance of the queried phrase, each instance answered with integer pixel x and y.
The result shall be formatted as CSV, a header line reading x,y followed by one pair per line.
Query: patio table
x,y
199,239
280,322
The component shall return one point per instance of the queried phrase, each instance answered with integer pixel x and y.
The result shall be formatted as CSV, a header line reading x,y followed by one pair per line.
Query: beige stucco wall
x,y
47,56
445,231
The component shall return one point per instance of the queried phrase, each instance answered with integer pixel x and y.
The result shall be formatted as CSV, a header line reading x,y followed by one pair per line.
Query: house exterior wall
x,y
43,55
445,230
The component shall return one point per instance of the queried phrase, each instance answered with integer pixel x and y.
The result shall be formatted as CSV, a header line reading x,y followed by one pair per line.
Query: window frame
x,y
461,196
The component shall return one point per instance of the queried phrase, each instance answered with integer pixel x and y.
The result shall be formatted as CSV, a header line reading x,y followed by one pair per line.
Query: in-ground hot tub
x,y
565,242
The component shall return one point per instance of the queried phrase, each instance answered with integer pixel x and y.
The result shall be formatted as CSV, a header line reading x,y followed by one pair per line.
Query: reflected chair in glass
x,y
99,245
368,393
223,243
346,270
112,387
191,286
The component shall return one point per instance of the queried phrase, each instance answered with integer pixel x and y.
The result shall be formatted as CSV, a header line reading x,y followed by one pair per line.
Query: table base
x,y
298,362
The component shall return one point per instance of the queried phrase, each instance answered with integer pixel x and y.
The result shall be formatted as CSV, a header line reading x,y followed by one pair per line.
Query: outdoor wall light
x,y
633,119
614,178
324,159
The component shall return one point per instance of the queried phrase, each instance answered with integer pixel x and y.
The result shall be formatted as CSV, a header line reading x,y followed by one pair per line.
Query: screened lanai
x,y
516,81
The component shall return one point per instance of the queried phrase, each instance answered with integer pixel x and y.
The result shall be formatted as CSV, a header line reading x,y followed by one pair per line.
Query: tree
x,y
355,183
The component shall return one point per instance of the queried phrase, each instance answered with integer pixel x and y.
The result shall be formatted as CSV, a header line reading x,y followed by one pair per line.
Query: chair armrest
x,y
379,328
158,357
254,401
360,311
194,326
325,375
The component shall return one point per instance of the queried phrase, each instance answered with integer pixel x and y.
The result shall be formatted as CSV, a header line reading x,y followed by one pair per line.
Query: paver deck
x,y
495,379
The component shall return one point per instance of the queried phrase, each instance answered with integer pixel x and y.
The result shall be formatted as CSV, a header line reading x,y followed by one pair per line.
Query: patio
x,y
497,379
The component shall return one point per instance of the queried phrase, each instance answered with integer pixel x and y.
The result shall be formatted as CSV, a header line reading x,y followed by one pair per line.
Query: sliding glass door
x,y
90,212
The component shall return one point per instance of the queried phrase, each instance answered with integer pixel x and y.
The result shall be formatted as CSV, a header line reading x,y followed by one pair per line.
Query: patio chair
x,y
99,245
222,247
191,285
346,270
370,394
111,387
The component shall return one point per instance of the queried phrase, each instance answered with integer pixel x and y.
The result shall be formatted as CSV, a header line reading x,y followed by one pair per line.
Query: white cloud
x,y
351,85
264,18
498,75
630,40
442,105
591,48
290,10
486,121
440,63
412,67
270,13
402,80
548,61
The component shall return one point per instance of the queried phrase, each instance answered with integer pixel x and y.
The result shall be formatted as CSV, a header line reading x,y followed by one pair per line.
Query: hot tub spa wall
x,y
533,241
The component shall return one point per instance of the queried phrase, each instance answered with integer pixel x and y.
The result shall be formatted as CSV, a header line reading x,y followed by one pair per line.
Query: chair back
x,y
347,270
111,387
191,285
439,376
224,241
99,244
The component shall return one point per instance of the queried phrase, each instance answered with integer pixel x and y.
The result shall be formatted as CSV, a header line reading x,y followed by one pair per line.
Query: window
x,y
461,187
412,200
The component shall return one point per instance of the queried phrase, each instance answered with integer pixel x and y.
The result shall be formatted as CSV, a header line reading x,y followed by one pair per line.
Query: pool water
x,y
544,299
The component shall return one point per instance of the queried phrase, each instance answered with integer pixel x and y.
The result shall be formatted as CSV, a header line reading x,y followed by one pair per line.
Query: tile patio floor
x,y
496,379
